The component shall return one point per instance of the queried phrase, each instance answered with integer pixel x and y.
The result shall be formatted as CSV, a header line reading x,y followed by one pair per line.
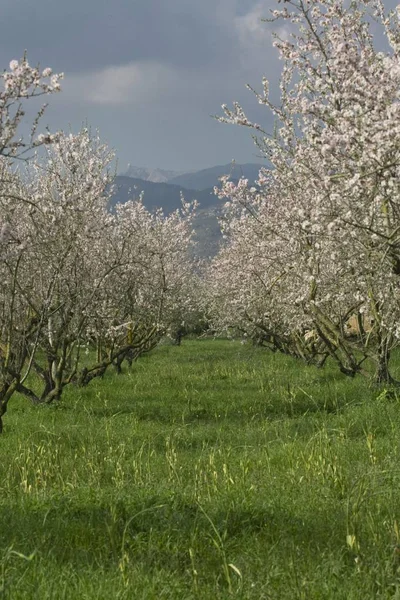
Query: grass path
x,y
213,470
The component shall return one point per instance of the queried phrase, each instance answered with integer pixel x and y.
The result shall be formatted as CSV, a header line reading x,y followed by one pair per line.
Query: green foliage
x,y
212,470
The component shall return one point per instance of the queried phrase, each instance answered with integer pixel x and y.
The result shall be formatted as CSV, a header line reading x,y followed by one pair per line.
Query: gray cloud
x,y
149,73
91,34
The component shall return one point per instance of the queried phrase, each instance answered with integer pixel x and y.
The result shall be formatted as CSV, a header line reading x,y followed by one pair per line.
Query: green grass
x,y
213,470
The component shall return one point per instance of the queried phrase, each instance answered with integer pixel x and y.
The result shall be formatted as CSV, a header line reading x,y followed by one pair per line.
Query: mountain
x,y
208,178
168,197
159,195
163,189
155,175
197,180
208,234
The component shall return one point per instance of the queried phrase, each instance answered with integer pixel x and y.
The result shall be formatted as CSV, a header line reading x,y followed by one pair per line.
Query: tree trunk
x,y
7,390
118,363
382,374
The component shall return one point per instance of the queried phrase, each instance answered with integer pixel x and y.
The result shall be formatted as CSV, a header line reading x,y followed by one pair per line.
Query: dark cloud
x,y
89,34
149,73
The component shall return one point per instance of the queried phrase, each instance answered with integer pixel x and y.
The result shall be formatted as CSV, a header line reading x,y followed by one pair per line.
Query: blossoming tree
x,y
74,273
19,325
324,219
88,276
150,290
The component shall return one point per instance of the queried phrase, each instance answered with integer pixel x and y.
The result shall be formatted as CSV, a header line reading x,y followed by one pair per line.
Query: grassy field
x,y
213,470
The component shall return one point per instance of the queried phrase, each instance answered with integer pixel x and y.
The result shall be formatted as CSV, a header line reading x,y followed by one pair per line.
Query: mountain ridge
x,y
208,178
159,195
196,180
155,175
167,195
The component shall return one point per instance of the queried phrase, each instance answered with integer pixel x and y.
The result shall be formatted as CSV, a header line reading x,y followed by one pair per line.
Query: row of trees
x,y
83,286
317,241
314,244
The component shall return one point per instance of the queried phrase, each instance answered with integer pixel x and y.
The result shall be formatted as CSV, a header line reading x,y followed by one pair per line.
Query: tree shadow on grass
x,y
157,532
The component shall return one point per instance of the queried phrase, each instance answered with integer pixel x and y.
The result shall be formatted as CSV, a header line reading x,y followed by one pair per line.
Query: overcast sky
x,y
149,73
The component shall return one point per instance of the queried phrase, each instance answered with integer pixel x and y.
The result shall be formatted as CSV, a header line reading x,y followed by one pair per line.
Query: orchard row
x,y
310,264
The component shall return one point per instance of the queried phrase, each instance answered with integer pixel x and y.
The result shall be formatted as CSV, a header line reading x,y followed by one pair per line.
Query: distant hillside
x,y
208,233
208,178
160,195
163,189
155,175
167,197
